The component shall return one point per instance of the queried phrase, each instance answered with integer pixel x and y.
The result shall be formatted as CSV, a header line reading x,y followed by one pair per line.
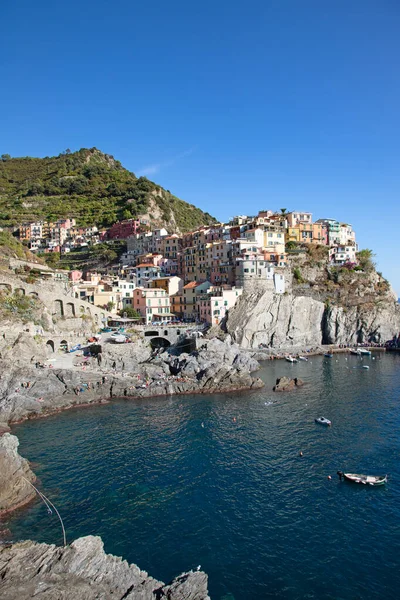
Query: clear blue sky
x,y
232,105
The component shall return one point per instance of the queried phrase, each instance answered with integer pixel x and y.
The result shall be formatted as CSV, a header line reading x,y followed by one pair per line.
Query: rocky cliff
x,y
14,475
325,307
82,571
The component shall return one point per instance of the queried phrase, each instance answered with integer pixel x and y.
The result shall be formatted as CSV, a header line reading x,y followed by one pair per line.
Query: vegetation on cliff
x,y
88,185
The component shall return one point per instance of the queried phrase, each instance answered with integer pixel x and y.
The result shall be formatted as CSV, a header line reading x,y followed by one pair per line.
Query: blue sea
x,y
218,481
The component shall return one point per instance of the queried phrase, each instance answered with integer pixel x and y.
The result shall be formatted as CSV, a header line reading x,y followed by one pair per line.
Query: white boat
x,y
364,479
365,352
303,358
118,338
291,359
365,367
355,351
323,421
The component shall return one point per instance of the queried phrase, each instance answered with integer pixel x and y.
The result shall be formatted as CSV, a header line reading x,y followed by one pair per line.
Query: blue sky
x,y
233,106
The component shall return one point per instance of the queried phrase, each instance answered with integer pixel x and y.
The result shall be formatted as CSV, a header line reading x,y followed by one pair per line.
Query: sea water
x,y
218,481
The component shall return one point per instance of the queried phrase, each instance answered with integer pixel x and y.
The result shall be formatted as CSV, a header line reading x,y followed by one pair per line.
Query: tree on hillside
x,y
129,312
5,157
283,211
365,261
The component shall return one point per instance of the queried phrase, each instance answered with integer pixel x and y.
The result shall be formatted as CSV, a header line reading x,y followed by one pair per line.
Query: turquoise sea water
x,y
171,483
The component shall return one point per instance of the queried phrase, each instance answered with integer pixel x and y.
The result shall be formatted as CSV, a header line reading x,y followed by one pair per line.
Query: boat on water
x,y
365,352
373,480
355,351
365,367
328,355
291,359
323,421
303,358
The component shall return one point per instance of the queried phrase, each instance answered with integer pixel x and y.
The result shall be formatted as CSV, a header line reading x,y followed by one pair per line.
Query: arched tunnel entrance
x,y
159,342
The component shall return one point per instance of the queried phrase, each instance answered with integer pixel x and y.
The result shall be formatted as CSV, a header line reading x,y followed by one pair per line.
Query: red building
x,y
123,229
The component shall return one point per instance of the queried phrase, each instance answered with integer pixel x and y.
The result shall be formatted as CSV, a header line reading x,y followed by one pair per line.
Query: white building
x,y
253,268
339,255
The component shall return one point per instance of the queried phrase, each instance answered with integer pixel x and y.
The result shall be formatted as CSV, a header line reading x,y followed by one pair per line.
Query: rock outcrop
x,y
14,473
129,370
82,571
286,384
303,317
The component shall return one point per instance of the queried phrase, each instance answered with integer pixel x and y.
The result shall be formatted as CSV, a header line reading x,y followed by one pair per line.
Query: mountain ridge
x,y
90,186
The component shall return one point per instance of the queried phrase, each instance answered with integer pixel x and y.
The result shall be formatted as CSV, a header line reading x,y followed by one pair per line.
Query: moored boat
x,y
328,355
303,358
373,480
291,359
355,351
323,421
365,352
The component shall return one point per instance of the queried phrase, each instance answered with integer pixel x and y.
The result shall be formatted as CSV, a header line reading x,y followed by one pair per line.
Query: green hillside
x,y
91,186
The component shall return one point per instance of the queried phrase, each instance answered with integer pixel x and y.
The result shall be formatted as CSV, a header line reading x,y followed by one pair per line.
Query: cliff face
x,y
14,471
359,308
82,571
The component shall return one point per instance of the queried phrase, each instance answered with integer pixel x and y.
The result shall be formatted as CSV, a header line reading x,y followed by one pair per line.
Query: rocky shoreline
x,y
83,571
30,387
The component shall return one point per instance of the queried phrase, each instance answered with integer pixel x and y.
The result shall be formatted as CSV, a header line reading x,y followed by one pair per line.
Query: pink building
x,y
153,304
213,306
123,229
75,276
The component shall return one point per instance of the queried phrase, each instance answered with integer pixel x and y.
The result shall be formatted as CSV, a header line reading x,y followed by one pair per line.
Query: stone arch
x,y
50,346
20,291
59,307
159,342
151,334
70,309
7,287
165,332
34,294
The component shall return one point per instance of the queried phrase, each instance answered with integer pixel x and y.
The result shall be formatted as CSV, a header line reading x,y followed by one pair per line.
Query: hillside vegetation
x,y
10,247
90,186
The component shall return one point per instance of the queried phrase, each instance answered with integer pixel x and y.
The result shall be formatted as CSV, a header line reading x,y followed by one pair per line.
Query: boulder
x,y
286,384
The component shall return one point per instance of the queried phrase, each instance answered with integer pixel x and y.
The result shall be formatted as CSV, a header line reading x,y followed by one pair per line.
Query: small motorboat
x,y
303,358
291,359
323,421
355,351
328,355
365,352
365,367
364,479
